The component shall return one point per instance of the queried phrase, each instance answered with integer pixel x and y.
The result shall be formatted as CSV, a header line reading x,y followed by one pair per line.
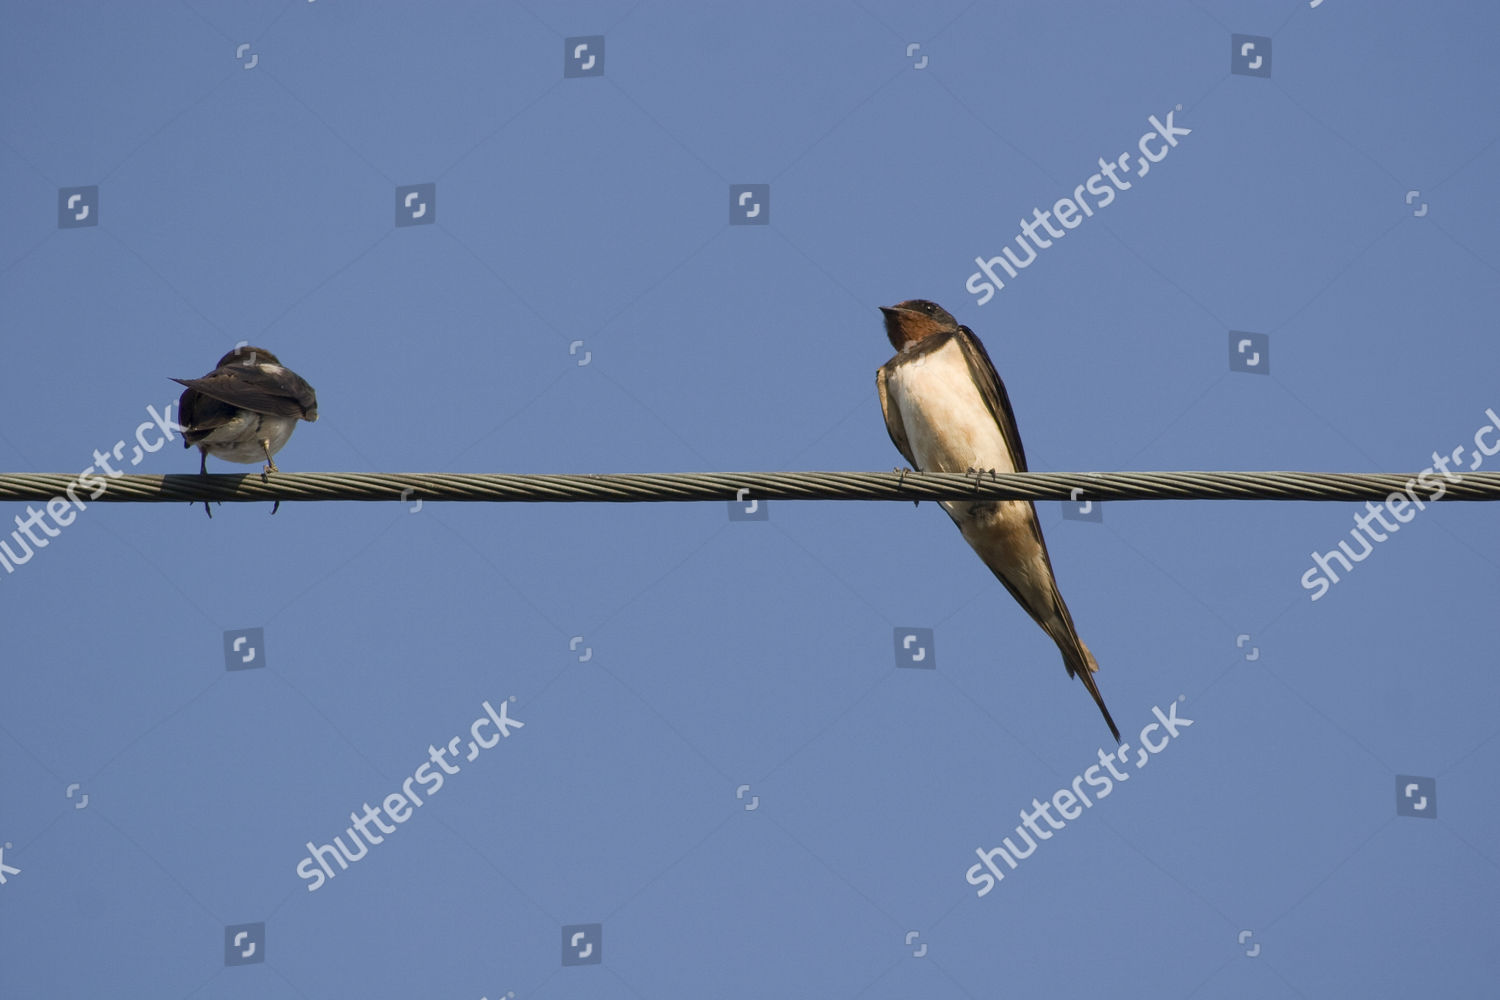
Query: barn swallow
x,y
244,410
947,411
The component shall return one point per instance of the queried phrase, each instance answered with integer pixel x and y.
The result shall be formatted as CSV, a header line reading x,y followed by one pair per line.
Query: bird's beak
x,y
894,324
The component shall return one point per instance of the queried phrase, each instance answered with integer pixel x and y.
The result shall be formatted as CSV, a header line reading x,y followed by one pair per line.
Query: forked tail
x,y
1078,660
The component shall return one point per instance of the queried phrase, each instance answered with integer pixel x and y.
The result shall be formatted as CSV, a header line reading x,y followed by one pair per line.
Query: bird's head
x,y
915,320
247,355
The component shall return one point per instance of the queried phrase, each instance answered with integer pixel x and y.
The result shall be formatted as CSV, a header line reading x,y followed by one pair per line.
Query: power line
x,y
724,486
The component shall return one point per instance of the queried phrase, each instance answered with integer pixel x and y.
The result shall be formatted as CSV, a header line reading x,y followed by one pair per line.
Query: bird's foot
x,y
902,482
203,471
265,446
265,474
979,474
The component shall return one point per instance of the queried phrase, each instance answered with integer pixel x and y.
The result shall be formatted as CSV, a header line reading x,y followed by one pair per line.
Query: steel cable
x,y
728,486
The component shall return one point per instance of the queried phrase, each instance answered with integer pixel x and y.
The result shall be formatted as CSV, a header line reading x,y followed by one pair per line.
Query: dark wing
x,y
199,415
893,425
993,391
279,395
995,397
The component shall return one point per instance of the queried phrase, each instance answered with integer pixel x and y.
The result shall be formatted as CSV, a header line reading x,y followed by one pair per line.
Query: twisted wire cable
x,y
699,486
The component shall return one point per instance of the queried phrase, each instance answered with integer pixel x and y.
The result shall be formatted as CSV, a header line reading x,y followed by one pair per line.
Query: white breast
x,y
239,439
947,423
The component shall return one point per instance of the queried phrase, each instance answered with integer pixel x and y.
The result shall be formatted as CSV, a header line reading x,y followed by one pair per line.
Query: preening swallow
x,y
947,411
244,410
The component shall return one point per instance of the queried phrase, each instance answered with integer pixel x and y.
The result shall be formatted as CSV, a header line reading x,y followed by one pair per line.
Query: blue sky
x,y
726,783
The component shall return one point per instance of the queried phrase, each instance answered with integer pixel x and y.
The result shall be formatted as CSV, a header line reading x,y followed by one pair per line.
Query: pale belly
x,y
239,440
950,429
948,426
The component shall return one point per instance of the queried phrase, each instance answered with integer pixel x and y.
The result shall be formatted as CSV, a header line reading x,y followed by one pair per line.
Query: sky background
x,y
723,764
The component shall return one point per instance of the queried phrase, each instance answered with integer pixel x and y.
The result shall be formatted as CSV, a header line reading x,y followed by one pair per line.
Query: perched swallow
x,y
244,410
947,411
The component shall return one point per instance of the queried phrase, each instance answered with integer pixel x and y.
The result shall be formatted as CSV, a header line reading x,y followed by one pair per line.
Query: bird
x,y
244,410
947,410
